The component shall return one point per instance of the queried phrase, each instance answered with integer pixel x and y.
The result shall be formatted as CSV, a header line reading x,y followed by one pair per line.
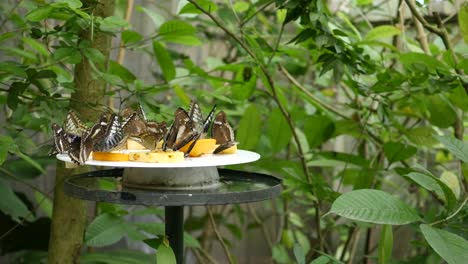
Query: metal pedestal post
x,y
175,230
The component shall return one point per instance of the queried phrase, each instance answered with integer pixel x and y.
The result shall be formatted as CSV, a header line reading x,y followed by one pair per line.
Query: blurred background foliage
x,y
359,106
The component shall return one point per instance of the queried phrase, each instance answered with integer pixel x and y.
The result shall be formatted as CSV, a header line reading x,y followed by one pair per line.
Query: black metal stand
x,y
235,187
175,230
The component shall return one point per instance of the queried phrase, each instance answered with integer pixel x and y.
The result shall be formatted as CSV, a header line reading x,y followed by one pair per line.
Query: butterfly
x,y
147,133
114,135
222,132
188,126
69,136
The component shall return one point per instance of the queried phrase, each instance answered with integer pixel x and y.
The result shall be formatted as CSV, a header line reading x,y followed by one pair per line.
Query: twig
x,y
353,249
262,224
422,37
9,14
452,215
205,254
218,235
351,233
245,21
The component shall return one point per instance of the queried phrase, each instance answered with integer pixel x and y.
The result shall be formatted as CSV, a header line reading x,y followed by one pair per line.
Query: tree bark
x,y
69,214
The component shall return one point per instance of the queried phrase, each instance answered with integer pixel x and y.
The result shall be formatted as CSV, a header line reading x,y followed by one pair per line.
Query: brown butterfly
x,y
222,132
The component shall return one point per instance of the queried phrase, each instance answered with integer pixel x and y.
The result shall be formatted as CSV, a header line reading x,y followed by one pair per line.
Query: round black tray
x,y
235,187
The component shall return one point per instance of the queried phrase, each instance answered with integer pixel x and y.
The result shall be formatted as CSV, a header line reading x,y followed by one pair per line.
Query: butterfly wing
x,y
222,132
181,131
74,125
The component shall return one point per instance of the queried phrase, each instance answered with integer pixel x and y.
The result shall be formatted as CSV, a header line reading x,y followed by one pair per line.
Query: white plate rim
x,y
240,157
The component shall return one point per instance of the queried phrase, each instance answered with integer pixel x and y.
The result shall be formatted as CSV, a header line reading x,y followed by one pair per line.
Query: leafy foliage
x,y
347,110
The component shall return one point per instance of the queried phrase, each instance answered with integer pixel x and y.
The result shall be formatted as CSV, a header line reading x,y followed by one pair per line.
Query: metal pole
x,y
175,230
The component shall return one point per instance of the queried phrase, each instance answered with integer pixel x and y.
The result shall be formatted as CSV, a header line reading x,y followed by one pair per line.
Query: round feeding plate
x,y
235,187
241,156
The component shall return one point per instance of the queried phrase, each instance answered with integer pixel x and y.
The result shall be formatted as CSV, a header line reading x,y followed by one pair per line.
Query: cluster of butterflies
x,y
111,132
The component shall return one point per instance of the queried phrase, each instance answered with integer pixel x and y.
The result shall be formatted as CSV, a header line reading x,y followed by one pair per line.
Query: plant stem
x,y
219,237
452,215
262,224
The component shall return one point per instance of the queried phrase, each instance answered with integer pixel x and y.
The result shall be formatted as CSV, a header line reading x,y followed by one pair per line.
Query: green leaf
x,y
165,255
321,260
452,248
318,129
155,17
442,113
427,182
6,143
40,13
451,180
94,55
10,204
241,6
421,136
112,24
105,230
280,254
185,40
129,36
71,3
117,257
374,206
190,241
417,61
385,244
164,60
455,146
278,131
176,28
299,254
382,32
119,70
29,160
463,21
250,127
37,46
44,202
205,4
395,151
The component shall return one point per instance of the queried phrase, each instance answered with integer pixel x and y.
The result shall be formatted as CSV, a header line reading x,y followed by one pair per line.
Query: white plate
x,y
241,156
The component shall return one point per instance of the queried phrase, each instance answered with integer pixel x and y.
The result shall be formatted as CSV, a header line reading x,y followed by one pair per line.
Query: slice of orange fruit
x,y
158,156
231,150
202,146
110,156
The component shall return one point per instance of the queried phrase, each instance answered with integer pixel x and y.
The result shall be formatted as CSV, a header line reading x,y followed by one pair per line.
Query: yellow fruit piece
x,y
157,157
231,150
133,145
202,146
110,156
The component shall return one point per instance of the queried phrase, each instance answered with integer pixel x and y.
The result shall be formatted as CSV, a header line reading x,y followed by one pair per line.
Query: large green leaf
x,y
250,127
442,113
119,70
452,248
374,206
40,13
207,5
318,129
10,204
176,28
382,32
463,21
117,257
395,151
455,146
105,230
165,255
164,60
385,244
6,143
433,184
278,131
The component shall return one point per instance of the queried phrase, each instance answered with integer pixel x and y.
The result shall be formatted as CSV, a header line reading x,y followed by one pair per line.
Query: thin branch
x,y
262,224
218,235
246,20
452,215
421,19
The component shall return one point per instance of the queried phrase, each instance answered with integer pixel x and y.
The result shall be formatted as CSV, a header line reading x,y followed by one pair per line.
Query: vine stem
x,y
218,235
452,215
282,109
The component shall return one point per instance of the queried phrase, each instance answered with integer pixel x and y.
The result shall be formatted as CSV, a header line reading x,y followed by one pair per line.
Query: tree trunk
x,y
69,215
